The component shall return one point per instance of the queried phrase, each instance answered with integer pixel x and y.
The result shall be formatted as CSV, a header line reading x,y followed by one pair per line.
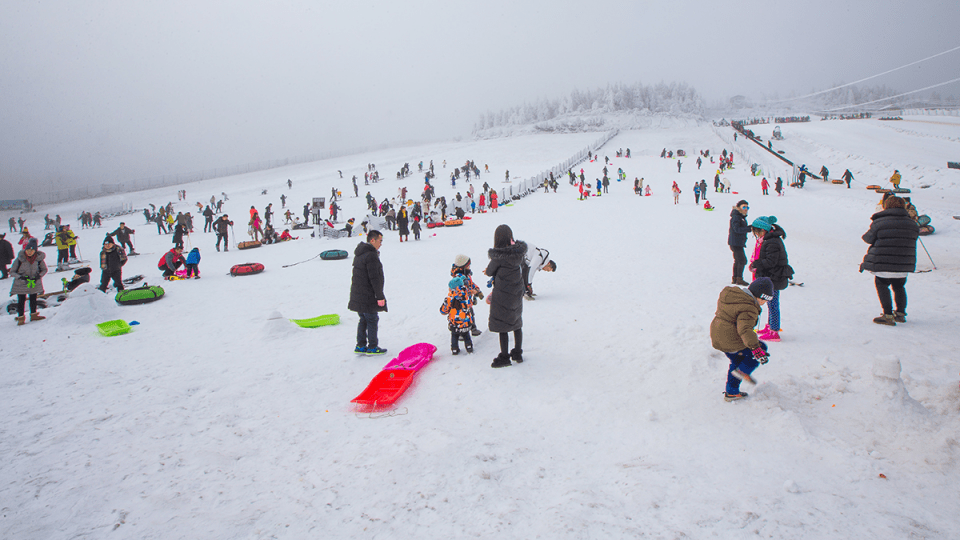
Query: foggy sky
x,y
102,91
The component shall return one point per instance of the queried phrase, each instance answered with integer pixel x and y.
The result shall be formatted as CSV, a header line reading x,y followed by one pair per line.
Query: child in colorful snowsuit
x,y
731,332
193,263
458,307
461,267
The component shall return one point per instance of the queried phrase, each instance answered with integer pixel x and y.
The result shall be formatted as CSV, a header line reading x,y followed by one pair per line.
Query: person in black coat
x,y
122,234
112,259
892,255
772,262
506,300
737,240
366,293
6,255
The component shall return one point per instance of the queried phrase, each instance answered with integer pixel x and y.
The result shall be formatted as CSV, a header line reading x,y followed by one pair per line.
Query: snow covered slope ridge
x,y
216,417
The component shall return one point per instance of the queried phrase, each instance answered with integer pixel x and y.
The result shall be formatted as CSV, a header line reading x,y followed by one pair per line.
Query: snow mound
x,y
88,305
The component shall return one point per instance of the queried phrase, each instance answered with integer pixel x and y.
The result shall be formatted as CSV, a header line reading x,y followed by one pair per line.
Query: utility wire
x,y
868,78
892,97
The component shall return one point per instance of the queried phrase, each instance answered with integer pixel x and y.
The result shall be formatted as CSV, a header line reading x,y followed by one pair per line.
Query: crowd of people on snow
x,y
890,257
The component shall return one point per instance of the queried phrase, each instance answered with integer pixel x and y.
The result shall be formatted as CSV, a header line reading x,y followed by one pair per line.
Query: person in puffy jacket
x,y
891,257
731,332
27,271
366,293
771,261
6,256
112,259
193,263
506,300
458,307
737,239
170,262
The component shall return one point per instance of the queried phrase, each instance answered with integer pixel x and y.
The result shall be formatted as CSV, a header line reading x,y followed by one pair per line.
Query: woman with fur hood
x,y
506,300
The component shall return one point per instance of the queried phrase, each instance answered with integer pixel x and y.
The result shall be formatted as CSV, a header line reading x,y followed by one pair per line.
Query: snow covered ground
x,y
213,419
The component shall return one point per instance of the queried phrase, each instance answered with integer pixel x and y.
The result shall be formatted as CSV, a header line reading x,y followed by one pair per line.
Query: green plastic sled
x,y
113,328
323,320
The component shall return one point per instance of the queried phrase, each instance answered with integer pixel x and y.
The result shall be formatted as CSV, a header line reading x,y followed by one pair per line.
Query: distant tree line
x,y
582,109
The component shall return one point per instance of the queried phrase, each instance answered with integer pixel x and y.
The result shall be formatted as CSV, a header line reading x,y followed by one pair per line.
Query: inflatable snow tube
x,y
249,244
246,269
140,295
434,225
837,181
334,255
873,186
453,223
901,190
882,190
927,230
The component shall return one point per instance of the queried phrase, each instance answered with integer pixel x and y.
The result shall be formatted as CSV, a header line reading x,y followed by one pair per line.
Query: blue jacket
x,y
194,256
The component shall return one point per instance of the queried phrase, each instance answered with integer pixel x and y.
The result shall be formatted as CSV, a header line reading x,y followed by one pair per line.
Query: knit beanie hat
x,y
456,283
32,243
107,240
762,288
461,260
764,222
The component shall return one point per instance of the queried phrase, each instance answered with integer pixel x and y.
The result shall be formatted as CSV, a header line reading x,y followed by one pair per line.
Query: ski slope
x,y
218,418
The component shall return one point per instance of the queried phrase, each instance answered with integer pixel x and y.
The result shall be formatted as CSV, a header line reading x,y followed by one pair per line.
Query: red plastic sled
x,y
388,385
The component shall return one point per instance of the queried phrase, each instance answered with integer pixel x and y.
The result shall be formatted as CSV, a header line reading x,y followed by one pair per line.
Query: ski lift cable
x,y
867,78
892,97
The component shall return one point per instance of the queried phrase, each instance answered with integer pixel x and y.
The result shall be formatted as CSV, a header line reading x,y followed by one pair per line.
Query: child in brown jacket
x,y
738,310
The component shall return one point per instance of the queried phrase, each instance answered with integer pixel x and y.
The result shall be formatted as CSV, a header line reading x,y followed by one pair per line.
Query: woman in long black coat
x,y
891,256
506,300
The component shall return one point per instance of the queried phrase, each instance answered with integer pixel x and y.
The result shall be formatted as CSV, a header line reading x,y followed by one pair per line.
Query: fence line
x,y
535,181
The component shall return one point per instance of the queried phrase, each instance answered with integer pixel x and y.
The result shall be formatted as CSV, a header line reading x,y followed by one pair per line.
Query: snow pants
x,y
106,276
744,361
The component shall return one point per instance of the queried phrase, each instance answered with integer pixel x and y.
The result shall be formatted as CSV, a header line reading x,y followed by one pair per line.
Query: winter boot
x,y
740,281
454,351
475,331
469,348
734,397
516,355
502,360
899,316
885,319
36,317
21,321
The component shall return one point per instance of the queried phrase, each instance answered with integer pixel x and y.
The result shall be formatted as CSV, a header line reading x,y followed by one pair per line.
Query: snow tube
x,y
901,190
926,230
882,190
249,244
334,255
12,306
837,181
140,295
872,186
453,223
434,225
246,269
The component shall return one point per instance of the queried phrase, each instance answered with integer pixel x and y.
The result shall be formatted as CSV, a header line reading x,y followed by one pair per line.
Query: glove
x,y
760,355
479,295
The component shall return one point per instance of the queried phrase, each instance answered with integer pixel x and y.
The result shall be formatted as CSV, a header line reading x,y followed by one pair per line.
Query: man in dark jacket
x,y
112,259
122,234
366,293
737,240
6,255
207,219
222,228
891,256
